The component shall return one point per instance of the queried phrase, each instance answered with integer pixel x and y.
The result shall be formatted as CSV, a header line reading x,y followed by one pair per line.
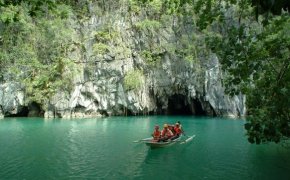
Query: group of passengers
x,y
169,132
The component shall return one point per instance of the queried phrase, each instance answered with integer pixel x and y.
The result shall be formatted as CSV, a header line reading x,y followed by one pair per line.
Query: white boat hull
x,y
154,144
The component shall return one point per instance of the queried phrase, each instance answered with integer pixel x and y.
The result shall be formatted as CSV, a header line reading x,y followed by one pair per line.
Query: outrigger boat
x,y
154,144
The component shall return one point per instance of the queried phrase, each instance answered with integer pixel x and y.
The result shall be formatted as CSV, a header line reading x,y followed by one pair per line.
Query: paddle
x,y
141,140
184,133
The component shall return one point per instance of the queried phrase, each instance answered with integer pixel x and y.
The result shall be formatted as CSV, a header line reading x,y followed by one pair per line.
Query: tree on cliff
x,y
256,60
259,66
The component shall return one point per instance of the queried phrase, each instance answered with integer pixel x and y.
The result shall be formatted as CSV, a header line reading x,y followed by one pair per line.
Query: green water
x,y
103,149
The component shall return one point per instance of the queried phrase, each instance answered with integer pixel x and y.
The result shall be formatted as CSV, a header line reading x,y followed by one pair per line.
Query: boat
x,y
153,144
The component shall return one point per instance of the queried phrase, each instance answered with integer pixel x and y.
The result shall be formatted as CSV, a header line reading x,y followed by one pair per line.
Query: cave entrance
x,y
197,108
178,105
32,110
22,112
35,110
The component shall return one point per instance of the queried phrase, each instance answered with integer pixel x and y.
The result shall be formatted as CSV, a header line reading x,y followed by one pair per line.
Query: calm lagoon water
x,y
103,148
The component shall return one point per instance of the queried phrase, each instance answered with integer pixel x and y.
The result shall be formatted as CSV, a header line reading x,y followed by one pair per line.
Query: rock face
x,y
12,100
169,84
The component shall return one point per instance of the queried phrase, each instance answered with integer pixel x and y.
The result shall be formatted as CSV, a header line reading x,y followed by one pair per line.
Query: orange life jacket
x,y
156,134
167,132
177,130
171,128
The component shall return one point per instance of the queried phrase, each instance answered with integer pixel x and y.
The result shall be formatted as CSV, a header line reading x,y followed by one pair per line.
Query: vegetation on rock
x,y
250,37
36,38
133,79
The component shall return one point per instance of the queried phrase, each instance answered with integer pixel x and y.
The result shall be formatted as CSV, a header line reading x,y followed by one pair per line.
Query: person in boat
x,y
180,126
166,133
171,128
177,131
156,133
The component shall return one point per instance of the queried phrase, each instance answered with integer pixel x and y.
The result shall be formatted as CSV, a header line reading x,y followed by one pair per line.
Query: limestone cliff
x,y
112,45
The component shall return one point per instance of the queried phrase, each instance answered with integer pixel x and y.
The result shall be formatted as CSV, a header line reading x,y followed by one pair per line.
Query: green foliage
x,y
80,8
102,36
100,48
44,83
151,59
156,5
34,48
152,8
134,7
188,48
148,25
133,79
256,61
268,101
105,36
8,14
257,64
63,11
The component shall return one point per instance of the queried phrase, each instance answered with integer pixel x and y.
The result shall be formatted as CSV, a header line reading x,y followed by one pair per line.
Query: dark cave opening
x,y
197,108
103,113
22,112
32,110
124,111
178,105
35,110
